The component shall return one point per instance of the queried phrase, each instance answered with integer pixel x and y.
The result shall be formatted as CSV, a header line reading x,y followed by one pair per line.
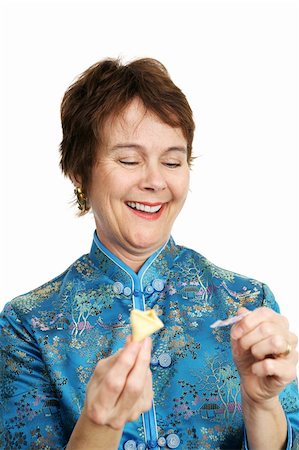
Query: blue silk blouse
x,y
52,338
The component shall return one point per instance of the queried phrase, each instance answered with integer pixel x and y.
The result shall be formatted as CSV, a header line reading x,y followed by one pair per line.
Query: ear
x,y
76,180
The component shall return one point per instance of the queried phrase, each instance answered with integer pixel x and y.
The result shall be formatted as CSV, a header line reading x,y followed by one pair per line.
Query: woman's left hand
x,y
264,351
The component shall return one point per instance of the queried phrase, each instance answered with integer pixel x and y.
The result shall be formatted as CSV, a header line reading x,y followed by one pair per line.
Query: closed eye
x,y
129,163
172,165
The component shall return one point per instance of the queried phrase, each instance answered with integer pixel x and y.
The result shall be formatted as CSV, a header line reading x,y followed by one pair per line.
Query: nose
x,y
153,178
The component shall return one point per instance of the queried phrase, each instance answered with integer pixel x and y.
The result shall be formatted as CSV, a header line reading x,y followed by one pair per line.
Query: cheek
x,y
119,181
107,184
181,188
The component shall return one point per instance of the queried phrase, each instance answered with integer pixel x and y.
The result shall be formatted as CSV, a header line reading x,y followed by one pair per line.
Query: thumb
x,y
242,310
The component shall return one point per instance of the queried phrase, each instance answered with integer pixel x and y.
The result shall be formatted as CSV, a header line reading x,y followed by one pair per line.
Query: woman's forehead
x,y
136,122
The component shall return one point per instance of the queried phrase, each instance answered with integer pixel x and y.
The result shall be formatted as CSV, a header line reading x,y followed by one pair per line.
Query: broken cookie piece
x,y
144,323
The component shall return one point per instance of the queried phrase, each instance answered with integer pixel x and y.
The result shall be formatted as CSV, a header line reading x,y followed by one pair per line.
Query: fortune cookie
x,y
144,323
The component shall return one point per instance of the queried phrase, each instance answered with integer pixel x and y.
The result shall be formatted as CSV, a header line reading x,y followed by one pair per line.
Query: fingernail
x,y
146,343
237,332
133,345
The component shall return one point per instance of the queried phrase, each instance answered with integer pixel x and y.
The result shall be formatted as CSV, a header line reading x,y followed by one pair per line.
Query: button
x,y
127,291
141,446
149,289
162,441
118,287
152,444
158,284
173,441
130,445
164,360
154,361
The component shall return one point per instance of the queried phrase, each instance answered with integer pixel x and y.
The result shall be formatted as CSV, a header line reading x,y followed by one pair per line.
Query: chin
x,y
143,242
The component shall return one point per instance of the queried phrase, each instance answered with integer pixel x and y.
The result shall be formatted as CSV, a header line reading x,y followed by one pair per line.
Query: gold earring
x,y
81,199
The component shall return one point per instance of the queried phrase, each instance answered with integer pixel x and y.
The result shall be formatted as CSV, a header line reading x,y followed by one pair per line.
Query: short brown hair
x,y
104,90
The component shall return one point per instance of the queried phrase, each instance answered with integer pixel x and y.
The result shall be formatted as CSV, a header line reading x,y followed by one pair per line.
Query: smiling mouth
x,y
151,209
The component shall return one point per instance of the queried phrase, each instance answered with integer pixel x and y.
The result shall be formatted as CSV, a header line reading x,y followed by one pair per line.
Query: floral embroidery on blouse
x,y
52,338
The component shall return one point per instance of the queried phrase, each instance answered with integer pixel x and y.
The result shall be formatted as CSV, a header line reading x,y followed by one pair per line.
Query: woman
x,y
72,375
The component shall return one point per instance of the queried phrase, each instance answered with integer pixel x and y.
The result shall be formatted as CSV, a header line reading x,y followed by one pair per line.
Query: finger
x,y
256,318
123,364
95,402
103,366
275,345
128,413
138,385
146,400
129,339
137,377
242,310
282,370
263,331
140,369
239,353
110,383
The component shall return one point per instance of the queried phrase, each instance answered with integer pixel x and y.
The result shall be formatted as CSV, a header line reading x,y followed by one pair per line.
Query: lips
x,y
145,207
149,211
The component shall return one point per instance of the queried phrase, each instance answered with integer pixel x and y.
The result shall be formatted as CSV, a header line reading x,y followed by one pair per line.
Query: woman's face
x,y
139,183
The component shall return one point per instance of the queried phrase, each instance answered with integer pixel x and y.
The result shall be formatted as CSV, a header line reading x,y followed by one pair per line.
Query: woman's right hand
x,y
120,388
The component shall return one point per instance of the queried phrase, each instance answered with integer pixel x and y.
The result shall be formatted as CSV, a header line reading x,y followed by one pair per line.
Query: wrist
x,y
88,434
262,404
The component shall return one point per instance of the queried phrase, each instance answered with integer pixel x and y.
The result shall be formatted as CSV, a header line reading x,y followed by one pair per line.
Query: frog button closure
x,y
118,287
162,441
141,446
164,360
127,291
173,441
130,445
149,289
158,284
154,361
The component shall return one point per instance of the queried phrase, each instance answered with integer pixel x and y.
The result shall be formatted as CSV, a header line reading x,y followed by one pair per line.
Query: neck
x,y
133,258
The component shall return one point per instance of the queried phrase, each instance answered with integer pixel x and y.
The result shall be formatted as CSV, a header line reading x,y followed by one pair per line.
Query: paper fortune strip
x,y
229,321
144,323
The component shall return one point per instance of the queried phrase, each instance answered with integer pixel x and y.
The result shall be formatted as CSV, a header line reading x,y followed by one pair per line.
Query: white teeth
x,y
146,208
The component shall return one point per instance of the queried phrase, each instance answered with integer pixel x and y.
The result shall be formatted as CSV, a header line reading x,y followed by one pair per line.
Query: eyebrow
x,y
140,147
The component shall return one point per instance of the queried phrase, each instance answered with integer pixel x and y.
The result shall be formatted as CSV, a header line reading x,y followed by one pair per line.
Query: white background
x,y
237,62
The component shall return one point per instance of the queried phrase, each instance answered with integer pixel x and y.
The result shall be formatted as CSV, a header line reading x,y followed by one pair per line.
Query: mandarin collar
x,y
154,270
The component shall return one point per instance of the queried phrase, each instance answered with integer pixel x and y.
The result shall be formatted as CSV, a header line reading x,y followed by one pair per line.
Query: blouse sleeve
x,y
289,397
28,404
